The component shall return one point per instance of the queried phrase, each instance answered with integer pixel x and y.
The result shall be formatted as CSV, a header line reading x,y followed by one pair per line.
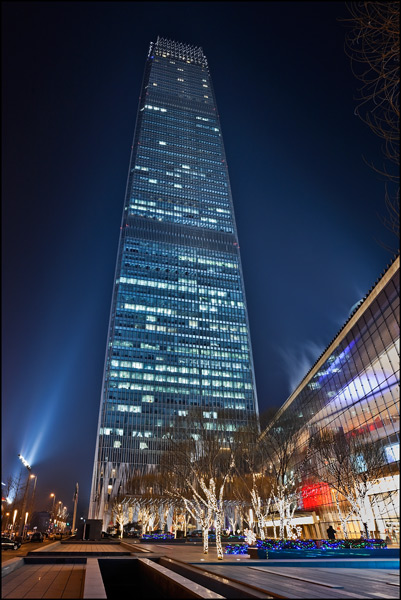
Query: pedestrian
x,y
331,534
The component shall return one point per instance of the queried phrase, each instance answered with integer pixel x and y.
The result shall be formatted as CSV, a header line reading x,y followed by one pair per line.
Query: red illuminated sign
x,y
315,495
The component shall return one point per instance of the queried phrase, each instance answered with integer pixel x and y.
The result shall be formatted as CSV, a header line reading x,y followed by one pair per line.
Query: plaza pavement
x,y
274,578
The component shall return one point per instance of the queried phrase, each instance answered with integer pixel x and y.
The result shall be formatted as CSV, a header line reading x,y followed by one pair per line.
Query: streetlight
x,y
84,527
28,466
54,501
56,511
6,525
14,517
75,508
34,489
31,502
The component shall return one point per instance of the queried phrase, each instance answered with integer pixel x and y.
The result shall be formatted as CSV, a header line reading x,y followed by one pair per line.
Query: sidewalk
x,y
54,576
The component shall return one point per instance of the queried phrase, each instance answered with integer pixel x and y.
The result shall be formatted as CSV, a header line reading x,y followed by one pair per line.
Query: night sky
x,y
307,204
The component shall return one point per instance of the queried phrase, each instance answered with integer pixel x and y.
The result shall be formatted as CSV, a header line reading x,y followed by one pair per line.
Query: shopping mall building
x,y
354,388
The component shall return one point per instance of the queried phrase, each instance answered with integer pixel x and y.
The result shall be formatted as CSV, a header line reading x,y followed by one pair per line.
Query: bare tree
x,y
199,461
373,44
146,497
120,512
253,482
284,465
351,465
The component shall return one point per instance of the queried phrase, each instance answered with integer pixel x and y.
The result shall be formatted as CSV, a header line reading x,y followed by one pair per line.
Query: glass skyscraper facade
x,y
354,388
178,333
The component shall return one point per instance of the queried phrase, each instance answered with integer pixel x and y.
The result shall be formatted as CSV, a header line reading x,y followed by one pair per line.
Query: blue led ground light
x,y
370,544
236,549
158,536
306,545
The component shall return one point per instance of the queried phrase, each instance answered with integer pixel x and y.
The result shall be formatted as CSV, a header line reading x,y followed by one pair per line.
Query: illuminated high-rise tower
x,y
178,333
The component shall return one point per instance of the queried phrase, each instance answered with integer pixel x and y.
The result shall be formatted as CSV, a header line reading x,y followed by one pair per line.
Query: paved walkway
x,y
83,548
278,578
315,582
45,581
284,579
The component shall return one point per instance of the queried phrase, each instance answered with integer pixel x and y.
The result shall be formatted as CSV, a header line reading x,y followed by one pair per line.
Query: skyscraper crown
x,y
170,48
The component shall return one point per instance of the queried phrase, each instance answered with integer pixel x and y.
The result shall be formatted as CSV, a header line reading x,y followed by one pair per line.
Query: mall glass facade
x,y
178,334
354,388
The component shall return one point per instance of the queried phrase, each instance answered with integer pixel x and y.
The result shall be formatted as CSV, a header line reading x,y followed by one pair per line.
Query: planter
x,y
255,552
338,553
163,541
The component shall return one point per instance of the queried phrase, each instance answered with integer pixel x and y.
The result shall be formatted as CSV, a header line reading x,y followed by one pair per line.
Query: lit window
x,y
142,445
392,452
117,444
177,185
152,180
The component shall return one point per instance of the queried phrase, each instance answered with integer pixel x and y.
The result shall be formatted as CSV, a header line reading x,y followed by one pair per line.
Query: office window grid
x,y
178,333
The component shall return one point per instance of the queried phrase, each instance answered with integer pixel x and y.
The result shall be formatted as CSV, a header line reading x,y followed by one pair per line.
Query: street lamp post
x,y
59,506
32,502
54,502
6,523
84,528
14,517
28,466
75,509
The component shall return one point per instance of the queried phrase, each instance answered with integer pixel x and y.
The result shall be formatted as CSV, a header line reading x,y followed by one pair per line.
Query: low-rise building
x,y
353,388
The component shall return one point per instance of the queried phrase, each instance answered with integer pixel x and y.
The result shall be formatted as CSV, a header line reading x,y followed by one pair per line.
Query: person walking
x,y
331,534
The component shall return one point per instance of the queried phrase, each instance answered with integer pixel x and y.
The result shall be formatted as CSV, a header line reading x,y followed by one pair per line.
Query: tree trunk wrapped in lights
x,y
343,518
351,465
120,512
198,463
279,444
201,513
261,512
253,481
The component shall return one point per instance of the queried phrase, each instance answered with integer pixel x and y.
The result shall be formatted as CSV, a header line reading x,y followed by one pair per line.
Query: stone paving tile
x,y
363,584
71,580
75,585
45,581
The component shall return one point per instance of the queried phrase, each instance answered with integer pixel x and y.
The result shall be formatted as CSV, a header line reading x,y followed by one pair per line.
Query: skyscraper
x,y
178,333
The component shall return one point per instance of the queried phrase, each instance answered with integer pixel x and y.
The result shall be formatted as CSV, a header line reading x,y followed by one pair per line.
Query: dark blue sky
x,y
307,205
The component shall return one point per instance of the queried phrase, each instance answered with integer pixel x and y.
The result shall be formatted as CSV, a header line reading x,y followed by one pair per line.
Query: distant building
x,y
40,520
354,387
178,334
